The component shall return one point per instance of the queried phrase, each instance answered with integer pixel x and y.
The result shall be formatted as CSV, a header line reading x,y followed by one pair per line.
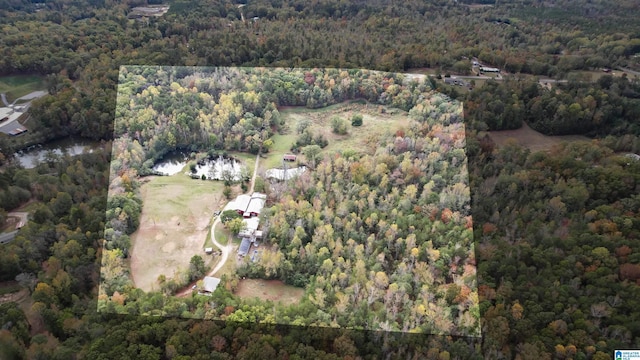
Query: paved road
x,y
411,76
8,237
553,81
32,95
23,216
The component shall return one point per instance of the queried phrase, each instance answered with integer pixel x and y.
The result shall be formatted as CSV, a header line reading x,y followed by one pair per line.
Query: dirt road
x,y
255,172
225,249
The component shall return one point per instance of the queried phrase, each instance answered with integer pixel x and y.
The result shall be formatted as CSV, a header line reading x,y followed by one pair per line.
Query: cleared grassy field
x,y
281,145
174,223
363,139
594,75
532,139
273,290
20,85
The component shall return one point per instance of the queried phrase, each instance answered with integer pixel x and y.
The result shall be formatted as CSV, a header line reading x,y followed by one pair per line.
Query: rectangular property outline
x,y
434,122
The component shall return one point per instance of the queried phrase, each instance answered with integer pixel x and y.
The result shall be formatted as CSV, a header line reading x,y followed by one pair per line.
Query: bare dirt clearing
x,y
532,139
176,214
273,290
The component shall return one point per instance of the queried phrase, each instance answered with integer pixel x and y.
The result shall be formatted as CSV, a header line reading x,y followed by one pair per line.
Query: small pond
x,y
32,156
213,169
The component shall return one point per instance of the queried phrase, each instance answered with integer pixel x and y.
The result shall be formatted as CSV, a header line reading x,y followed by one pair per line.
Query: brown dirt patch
x,y
274,290
532,139
12,291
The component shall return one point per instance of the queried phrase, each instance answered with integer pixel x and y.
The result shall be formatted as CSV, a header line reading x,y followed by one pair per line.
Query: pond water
x,y
215,169
172,163
32,156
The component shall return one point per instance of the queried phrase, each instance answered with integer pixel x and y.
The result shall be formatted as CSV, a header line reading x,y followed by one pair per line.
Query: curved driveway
x,y
225,249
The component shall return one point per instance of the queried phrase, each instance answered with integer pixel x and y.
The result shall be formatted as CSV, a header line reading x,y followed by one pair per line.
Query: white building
x,y
281,174
489,69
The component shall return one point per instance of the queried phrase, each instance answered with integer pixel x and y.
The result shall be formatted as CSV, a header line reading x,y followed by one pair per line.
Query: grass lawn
x,y
281,145
20,85
375,125
247,159
176,215
208,242
229,267
532,139
423,70
478,83
274,290
222,234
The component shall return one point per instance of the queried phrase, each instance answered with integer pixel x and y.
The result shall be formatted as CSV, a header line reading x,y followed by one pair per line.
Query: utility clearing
x,y
531,139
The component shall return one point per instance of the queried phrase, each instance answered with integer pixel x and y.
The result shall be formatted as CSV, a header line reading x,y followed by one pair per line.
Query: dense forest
x,y
81,46
556,233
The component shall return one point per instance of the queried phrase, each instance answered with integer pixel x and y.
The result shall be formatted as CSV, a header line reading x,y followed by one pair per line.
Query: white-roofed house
x,y
210,284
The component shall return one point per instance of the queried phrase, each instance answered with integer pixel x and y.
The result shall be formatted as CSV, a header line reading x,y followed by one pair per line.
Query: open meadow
x,y
20,85
363,139
532,139
174,223
273,290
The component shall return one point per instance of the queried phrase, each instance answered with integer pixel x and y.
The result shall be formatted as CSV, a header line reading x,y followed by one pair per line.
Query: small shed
x,y
210,284
289,157
208,250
